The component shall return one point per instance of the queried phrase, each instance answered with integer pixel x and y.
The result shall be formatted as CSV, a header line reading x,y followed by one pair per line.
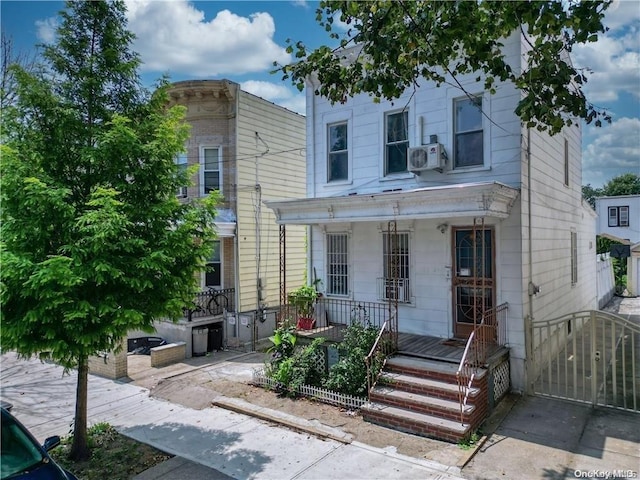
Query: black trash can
x,y
215,338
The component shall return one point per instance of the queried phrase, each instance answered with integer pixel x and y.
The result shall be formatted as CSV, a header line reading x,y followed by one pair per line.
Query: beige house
x,y
251,150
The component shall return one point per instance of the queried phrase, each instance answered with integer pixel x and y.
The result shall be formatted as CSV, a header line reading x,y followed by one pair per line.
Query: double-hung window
x,y
338,161
468,136
181,162
396,262
337,264
396,142
213,274
210,159
618,216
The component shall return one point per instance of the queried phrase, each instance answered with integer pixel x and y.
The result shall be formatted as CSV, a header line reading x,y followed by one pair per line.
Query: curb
x,y
294,423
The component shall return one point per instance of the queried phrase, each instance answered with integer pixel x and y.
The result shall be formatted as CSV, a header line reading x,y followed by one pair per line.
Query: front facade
x,y
241,145
443,202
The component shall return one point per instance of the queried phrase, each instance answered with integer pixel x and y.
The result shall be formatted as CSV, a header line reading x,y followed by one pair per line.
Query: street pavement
x,y
233,445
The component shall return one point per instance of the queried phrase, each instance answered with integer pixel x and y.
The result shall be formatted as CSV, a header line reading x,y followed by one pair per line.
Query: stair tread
x,y
428,365
451,425
391,378
421,399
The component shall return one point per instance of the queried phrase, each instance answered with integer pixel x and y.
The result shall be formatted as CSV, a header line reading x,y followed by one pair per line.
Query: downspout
x,y
311,153
528,331
236,243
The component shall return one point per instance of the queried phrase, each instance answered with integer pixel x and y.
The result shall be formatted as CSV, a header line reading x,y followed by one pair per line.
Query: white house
x,y
446,203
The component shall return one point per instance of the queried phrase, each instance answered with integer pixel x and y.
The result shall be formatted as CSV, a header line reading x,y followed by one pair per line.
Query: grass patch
x,y
113,455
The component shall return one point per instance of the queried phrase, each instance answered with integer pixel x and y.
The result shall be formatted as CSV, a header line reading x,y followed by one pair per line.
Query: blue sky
x,y
240,40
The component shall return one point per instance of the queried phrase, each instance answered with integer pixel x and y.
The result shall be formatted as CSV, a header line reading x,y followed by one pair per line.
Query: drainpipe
x,y
311,153
528,331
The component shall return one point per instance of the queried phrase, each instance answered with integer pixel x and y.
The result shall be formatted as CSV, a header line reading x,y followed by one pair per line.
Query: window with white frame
x,y
619,216
181,162
337,264
396,142
338,161
468,134
574,258
210,160
396,262
213,274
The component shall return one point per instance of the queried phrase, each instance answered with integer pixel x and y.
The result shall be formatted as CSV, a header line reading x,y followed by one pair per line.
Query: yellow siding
x,y
274,160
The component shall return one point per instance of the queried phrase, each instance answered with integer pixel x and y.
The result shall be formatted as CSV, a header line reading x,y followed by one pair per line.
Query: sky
x,y
240,40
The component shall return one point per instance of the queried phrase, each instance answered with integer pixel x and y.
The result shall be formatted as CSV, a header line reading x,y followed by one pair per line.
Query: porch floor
x,y
430,347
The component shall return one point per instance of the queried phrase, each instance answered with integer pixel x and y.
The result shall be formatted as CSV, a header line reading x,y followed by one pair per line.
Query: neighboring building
x,y
251,150
619,218
401,194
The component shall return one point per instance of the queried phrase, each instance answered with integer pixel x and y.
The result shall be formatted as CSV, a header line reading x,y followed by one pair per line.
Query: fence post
x,y
594,358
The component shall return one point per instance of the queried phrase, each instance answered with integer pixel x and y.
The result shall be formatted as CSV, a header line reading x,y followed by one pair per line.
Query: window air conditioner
x,y
426,157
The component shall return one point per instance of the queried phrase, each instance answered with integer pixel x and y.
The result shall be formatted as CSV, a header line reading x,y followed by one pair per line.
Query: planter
x,y
305,323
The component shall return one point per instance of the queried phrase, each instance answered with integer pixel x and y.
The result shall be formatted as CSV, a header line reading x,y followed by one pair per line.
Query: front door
x,y
473,277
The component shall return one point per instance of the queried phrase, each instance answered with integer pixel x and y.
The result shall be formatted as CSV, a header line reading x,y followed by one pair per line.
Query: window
x,y
181,161
566,162
574,258
211,169
396,142
395,257
338,164
337,264
468,148
618,216
213,274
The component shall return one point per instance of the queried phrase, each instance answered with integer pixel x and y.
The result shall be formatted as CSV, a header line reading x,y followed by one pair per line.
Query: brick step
x,y
415,422
425,386
425,368
417,402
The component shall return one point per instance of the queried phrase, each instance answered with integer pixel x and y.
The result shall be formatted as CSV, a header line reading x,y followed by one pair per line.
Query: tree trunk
x,y
80,448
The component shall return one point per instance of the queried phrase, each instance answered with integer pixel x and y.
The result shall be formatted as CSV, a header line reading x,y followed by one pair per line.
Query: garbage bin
x,y
215,337
199,337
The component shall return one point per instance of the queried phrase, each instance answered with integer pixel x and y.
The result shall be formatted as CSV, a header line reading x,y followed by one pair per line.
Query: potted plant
x,y
303,299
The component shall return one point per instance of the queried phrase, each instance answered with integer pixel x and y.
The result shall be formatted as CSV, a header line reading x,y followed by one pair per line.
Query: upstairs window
x,y
337,264
396,142
181,162
338,161
618,216
210,169
574,258
468,135
566,162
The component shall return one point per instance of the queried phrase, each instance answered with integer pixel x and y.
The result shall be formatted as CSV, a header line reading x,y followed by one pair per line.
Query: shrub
x,y
301,368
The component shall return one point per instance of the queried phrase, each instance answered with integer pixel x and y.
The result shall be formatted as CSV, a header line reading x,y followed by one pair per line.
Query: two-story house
x,y
443,205
250,150
619,220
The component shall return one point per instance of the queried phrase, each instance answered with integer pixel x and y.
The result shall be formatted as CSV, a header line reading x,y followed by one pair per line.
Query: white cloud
x,y
277,93
46,29
175,37
614,59
615,150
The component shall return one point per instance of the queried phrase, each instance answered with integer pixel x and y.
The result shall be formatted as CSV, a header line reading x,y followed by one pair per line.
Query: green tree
x,y
590,194
405,42
94,241
625,184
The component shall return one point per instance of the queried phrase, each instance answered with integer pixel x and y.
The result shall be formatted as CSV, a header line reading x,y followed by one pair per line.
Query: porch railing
x,y
485,337
382,347
212,303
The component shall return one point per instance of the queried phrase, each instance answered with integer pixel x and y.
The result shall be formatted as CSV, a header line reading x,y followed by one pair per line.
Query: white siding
x,y
632,232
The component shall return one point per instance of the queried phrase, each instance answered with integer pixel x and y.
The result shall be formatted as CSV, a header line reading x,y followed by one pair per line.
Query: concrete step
x,y
415,422
427,386
446,408
425,368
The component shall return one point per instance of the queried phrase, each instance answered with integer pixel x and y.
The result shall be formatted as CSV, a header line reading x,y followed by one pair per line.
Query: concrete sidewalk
x,y
232,444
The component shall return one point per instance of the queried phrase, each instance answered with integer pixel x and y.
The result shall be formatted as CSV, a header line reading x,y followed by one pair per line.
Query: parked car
x,y
22,457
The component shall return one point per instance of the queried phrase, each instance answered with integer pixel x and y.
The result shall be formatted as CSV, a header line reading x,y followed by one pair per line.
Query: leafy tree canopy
x,y
94,241
625,184
404,42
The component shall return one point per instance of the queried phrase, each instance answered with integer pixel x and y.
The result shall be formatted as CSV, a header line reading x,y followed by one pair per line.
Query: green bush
x,y
301,368
349,375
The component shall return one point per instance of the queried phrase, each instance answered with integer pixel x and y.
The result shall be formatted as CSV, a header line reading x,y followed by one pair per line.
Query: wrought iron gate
x,y
591,357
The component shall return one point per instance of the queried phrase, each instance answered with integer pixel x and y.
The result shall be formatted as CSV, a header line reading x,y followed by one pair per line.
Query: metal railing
x,y
485,337
212,303
381,349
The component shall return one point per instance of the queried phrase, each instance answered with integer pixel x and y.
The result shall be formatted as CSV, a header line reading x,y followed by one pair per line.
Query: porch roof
x,y
487,199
